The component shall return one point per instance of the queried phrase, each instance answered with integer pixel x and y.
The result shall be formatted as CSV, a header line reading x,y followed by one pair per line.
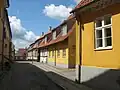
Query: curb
x,y
63,88
64,79
56,82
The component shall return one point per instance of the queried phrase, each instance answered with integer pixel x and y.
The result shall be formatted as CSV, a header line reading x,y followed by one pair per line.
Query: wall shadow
x,y
109,80
26,76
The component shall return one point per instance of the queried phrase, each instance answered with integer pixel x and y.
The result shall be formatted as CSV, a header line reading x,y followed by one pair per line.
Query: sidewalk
x,y
63,77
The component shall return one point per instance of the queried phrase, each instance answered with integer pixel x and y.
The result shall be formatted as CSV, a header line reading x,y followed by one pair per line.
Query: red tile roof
x,y
21,52
82,3
59,38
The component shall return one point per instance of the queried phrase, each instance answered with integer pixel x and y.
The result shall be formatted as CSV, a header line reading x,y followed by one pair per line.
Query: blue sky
x,y
31,17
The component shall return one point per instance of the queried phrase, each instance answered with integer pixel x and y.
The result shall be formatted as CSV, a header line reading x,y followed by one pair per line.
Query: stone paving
x,y
62,77
25,76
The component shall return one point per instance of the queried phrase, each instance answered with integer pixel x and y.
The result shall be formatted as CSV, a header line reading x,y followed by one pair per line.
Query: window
x,y
5,45
45,39
4,33
49,53
64,30
54,35
58,53
64,52
53,53
103,35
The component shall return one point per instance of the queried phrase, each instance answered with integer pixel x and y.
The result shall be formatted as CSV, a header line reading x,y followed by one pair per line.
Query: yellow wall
x,y
72,47
1,3
55,47
77,43
1,39
1,31
99,58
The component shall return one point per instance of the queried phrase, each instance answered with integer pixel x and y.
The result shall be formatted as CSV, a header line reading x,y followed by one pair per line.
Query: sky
x,y
29,18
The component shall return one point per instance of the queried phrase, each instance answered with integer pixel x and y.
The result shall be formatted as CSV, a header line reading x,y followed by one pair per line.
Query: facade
x,y
12,52
29,52
32,51
21,54
97,45
5,34
58,46
35,51
43,50
62,48
7,38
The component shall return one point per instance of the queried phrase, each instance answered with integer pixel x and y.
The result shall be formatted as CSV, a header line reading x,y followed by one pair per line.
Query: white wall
x,y
43,55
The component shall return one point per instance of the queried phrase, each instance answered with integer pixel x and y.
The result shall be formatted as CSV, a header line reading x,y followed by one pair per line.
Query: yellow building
x,y
5,33
97,43
61,48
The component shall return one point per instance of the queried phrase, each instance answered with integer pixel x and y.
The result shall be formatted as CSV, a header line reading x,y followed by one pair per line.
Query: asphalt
x,y
25,76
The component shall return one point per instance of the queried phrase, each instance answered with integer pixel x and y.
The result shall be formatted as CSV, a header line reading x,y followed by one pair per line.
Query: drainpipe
x,y
81,28
55,56
80,48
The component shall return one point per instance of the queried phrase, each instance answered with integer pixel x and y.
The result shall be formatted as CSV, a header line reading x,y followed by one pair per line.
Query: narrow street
x,y
25,76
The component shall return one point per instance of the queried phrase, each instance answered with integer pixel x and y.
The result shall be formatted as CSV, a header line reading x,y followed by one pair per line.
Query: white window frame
x,y
64,53
54,35
63,30
45,39
103,34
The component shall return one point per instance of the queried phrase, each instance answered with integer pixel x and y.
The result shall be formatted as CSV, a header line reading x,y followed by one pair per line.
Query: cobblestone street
x,y
25,76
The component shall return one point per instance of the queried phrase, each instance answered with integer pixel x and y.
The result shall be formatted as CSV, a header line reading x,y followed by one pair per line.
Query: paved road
x,y
24,76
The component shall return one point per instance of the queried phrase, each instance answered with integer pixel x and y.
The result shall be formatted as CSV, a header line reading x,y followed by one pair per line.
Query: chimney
x,y
50,28
42,33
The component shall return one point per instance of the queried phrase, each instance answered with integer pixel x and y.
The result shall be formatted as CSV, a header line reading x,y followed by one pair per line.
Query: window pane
x,y
58,53
107,32
64,30
107,20
54,35
108,41
64,52
52,53
98,33
99,43
98,23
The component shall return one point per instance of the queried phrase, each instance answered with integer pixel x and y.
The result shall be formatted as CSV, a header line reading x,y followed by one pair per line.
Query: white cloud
x,y
21,36
77,1
60,12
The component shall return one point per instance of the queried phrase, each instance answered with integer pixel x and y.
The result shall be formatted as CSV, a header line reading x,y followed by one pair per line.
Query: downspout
x,y
55,55
80,47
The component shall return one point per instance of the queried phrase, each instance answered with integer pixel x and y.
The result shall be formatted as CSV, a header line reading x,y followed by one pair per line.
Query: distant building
x,y
21,54
57,46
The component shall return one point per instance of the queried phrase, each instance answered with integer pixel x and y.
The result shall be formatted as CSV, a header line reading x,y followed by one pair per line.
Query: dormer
x,y
64,29
46,39
54,35
6,3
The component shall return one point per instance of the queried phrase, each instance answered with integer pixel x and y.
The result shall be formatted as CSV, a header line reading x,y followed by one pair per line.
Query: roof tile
x,y
82,3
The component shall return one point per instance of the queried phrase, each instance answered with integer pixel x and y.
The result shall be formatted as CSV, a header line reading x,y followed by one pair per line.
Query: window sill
x,y
106,48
